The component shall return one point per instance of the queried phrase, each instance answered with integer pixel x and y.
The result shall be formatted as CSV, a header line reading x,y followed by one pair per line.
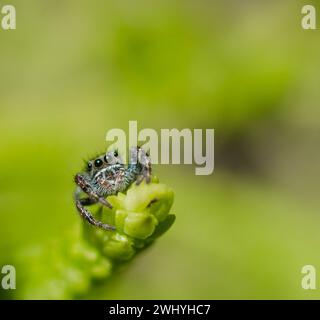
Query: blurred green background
x,y
74,69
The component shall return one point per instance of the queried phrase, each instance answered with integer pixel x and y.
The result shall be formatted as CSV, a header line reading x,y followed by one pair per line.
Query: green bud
x,y
139,225
119,248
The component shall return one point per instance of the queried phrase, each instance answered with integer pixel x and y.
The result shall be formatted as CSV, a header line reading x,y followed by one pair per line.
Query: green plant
x,y
67,268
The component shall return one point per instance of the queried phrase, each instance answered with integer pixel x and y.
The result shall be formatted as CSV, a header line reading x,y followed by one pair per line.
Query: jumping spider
x,y
105,176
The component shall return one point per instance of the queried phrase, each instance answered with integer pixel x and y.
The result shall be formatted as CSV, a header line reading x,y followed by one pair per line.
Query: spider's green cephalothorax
x,y
106,175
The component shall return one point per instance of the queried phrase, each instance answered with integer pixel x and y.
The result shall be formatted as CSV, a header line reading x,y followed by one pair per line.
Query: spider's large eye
x,y
98,163
115,153
106,159
89,165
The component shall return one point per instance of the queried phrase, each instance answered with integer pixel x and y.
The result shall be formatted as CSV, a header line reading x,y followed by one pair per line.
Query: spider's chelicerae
x,y
106,175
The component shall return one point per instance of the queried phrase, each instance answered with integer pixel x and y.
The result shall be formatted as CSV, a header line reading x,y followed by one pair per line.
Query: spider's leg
x,y
146,174
145,163
140,165
139,180
148,179
87,201
84,186
105,202
85,214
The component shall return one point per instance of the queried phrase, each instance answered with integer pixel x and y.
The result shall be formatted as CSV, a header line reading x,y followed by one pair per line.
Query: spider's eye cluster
x,y
110,157
98,163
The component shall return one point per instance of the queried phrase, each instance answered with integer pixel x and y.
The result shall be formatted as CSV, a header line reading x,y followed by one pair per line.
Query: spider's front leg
x,y
144,162
86,188
85,214
81,202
